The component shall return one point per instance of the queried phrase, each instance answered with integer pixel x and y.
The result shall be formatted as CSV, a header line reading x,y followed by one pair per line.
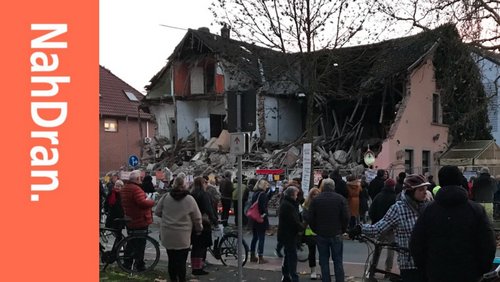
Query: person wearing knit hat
x,y
400,218
411,185
453,239
390,183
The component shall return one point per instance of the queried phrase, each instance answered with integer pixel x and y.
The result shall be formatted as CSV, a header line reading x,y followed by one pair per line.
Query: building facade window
x,y
436,108
426,161
409,161
110,125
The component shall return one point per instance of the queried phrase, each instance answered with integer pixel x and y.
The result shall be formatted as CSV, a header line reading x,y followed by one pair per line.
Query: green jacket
x,y
235,192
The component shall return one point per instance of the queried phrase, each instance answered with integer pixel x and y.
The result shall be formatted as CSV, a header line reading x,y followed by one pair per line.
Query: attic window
x,y
131,96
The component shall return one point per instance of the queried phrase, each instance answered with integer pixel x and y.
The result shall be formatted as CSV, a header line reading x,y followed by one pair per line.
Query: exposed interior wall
x,y
282,119
197,80
415,130
163,113
181,80
190,111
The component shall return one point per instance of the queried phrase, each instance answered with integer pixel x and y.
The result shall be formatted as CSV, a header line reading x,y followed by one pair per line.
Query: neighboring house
x,y
489,65
120,122
384,96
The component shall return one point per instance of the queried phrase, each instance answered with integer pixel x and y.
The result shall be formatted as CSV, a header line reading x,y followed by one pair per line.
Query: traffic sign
x,y
133,160
238,143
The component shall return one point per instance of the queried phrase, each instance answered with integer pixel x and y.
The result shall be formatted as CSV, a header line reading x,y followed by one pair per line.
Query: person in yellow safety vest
x,y
435,190
309,235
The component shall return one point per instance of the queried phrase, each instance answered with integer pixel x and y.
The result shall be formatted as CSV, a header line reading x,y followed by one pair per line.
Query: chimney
x,y
204,29
225,31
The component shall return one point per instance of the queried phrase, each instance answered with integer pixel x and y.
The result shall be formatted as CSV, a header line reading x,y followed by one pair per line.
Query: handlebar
x,y
390,245
493,274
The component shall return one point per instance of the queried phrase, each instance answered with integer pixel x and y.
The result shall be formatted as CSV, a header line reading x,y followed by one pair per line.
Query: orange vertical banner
x,y
49,206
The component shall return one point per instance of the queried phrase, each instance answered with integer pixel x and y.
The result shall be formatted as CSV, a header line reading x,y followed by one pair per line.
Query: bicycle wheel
x,y
302,253
106,240
228,250
127,259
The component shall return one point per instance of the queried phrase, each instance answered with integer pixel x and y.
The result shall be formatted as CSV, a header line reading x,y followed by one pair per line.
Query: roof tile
x,y
113,101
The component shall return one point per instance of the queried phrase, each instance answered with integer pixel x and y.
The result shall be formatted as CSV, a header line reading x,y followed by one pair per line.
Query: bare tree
x,y
478,21
297,26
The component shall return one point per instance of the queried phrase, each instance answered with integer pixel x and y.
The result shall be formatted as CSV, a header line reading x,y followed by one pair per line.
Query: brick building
x,y
123,127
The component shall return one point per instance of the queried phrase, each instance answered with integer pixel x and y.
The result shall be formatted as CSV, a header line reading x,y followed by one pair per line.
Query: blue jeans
x,y
289,266
333,246
258,235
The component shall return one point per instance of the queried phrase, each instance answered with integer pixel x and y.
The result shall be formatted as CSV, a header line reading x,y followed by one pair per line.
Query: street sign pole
x,y
240,194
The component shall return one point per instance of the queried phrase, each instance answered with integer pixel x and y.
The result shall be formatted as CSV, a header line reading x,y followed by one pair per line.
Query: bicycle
x,y
492,275
375,248
112,250
225,246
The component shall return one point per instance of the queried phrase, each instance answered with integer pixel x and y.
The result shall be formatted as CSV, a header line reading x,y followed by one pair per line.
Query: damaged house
x,y
404,99
191,88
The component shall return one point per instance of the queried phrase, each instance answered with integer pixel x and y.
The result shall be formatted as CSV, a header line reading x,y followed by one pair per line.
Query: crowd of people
x,y
444,226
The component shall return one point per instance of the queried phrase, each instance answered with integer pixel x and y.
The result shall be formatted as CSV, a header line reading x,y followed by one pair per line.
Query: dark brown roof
x,y
361,66
113,100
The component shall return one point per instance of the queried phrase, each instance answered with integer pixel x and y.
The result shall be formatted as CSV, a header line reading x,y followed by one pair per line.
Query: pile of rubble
x,y
197,156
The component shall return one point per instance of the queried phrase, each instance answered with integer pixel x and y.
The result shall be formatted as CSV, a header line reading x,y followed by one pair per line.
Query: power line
x,y
173,27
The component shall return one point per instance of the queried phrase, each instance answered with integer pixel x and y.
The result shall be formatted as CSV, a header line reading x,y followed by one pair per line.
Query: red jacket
x,y
136,206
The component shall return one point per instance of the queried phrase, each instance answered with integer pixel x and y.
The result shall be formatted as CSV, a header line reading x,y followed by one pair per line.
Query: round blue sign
x,y
133,160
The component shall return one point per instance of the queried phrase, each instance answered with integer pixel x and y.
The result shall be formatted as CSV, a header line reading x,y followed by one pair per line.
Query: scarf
x,y
112,197
414,205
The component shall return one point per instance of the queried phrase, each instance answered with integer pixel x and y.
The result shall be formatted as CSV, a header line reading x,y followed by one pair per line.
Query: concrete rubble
x,y
197,156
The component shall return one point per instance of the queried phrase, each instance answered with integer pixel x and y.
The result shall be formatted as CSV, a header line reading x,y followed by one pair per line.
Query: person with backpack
x,y
453,239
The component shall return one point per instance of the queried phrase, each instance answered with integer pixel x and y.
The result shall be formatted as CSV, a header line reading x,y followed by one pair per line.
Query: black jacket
x,y
484,188
381,204
363,198
147,184
204,239
340,186
375,187
226,189
289,224
114,211
261,196
328,214
453,239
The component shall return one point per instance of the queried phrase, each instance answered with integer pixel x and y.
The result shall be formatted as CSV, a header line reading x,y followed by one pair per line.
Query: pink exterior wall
x,y
413,127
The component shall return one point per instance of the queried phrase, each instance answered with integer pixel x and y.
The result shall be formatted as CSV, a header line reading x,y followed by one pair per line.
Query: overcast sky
x,y
132,43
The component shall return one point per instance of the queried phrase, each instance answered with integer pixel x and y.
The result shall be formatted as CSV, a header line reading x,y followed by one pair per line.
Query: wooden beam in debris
x,y
383,104
323,127
336,131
